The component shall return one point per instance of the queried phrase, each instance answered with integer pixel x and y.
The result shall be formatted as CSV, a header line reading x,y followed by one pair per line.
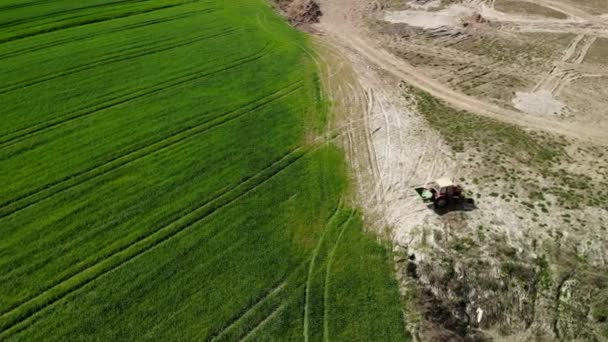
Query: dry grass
x,y
592,6
598,53
537,162
528,8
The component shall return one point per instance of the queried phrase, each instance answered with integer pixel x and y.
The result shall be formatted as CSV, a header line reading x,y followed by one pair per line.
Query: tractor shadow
x,y
465,204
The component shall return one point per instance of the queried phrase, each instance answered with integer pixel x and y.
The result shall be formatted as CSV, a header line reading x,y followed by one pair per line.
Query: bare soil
x,y
528,8
527,261
598,54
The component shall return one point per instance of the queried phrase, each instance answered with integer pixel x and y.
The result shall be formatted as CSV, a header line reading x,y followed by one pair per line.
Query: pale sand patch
x,y
541,102
450,16
430,5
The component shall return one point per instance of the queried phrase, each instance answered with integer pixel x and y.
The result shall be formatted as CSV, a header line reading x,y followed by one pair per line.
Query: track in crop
x,y
17,317
14,137
54,43
175,137
323,258
287,289
311,269
228,250
89,21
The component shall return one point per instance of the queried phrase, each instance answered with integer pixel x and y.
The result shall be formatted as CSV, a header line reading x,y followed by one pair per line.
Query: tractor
x,y
441,193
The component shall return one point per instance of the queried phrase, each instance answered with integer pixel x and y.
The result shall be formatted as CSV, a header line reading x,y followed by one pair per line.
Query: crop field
x,y
165,174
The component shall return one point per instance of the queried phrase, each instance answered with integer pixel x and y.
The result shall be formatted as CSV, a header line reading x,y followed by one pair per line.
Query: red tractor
x,y
441,192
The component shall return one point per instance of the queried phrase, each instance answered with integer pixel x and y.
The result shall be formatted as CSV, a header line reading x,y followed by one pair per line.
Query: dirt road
x,y
341,28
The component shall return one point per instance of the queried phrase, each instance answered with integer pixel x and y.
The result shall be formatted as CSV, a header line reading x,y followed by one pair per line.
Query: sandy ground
x,y
443,37
389,146
340,23
401,150
391,149
540,102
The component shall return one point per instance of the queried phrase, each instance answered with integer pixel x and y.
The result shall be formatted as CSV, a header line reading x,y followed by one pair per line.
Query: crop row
x,y
19,32
9,320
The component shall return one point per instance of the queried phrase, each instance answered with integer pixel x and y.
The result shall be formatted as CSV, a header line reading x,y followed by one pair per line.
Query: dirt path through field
x,y
341,25
566,70
388,146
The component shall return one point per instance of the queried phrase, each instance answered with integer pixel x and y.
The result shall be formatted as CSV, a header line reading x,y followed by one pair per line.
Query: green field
x,y
164,175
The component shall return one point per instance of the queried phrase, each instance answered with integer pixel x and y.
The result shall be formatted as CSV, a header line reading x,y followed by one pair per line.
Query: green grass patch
x,y
528,8
164,177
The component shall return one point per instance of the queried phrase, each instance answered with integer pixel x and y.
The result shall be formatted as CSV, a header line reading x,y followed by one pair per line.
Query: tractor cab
x,y
441,192
445,186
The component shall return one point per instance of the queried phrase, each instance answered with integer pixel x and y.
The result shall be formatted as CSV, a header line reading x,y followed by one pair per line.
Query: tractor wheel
x,y
441,203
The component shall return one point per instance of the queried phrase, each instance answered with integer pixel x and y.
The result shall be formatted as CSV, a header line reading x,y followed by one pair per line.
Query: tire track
x,y
28,4
90,21
59,42
582,52
138,153
346,35
86,16
68,11
571,50
387,165
264,322
139,50
373,162
387,198
311,268
560,74
234,246
327,273
127,158
17,319
14,137
275,291
350,102
378,177
422,157
248,311
351,148
395,173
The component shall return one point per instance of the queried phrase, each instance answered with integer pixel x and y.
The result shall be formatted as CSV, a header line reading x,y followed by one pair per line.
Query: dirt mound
x,y
474,20
302,12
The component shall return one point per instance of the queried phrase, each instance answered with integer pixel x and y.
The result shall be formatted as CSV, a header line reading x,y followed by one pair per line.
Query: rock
x,y
303,12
